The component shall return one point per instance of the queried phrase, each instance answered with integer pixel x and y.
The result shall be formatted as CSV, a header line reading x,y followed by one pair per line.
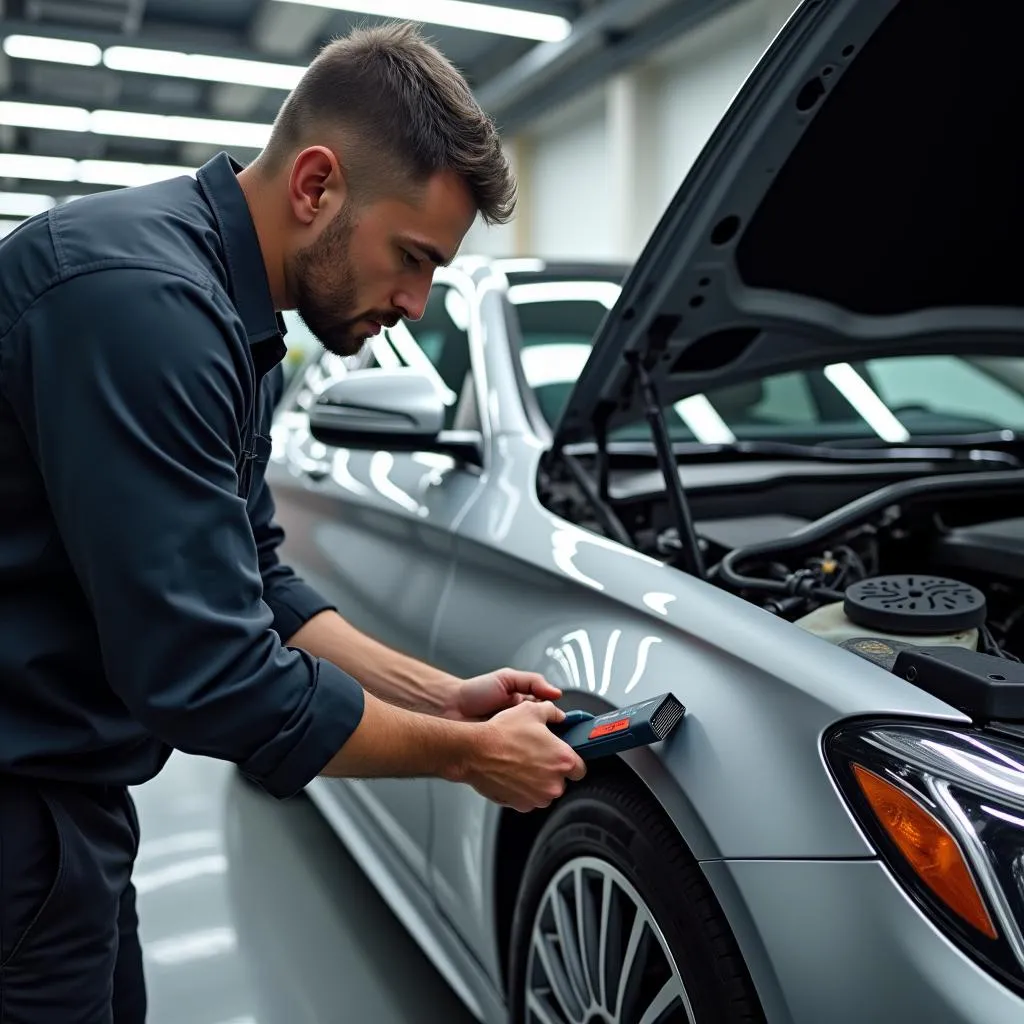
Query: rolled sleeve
x,y
132,392
291,600
293,603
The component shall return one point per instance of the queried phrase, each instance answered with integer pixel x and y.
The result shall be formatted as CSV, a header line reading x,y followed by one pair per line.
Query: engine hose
x,y
1004,485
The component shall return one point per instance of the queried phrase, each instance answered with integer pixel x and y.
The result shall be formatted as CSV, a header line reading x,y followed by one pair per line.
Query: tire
x,y
607,844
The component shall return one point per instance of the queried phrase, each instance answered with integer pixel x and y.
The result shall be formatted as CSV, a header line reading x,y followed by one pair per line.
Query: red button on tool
x,y
603,730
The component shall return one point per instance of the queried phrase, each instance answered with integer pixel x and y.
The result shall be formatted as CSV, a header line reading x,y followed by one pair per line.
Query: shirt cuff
x,y
294,603
330,716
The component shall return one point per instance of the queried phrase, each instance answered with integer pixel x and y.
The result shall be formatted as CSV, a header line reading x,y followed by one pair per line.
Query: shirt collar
x,y
247,273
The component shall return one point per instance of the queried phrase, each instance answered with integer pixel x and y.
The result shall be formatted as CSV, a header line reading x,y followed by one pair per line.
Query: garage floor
x,y
253,913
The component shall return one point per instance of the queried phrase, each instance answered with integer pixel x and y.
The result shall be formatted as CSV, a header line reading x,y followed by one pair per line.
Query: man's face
x,y
373,265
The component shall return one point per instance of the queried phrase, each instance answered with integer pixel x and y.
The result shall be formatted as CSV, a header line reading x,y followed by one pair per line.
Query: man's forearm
x,y
391,676
392,743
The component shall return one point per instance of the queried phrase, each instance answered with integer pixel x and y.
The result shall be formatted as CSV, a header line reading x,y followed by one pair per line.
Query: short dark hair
x,y
405,113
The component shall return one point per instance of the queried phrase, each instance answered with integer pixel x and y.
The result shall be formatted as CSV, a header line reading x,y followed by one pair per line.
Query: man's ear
x,y
317,185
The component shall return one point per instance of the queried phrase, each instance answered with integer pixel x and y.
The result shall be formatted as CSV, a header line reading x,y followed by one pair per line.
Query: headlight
x,y
945,809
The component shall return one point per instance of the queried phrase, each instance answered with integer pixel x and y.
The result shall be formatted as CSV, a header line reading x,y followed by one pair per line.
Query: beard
x,y
324,287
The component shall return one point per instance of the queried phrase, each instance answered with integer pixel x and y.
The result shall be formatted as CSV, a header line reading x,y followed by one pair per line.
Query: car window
x,y
555,337
892,397
438,344
946,384
787,398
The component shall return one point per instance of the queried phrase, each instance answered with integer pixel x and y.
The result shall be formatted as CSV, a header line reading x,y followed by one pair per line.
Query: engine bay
x,y
925,555
929,561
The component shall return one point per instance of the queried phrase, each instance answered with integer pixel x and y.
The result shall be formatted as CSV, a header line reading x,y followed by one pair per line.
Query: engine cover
x,y
996,549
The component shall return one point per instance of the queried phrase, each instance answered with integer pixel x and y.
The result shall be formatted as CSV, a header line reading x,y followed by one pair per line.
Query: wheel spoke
x,y
586,927
635,935
669,993
560,986
570,949
611,941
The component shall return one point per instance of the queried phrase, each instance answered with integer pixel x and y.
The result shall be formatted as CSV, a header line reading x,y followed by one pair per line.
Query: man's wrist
x,y
462,745
449,694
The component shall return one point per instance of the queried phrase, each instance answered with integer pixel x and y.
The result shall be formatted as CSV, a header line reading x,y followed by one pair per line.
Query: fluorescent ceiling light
x,y
43,168
171,63
179,129
41,115
115,172
136,126
57,51
24,204
505,21
203,67
93,172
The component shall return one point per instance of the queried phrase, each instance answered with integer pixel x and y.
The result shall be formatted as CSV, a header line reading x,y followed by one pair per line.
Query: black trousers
x,y
69,946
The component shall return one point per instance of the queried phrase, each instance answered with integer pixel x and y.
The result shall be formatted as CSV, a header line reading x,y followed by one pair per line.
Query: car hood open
x,y
862,196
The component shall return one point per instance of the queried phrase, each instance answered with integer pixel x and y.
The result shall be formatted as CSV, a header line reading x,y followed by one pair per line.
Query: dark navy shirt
x,y
142,603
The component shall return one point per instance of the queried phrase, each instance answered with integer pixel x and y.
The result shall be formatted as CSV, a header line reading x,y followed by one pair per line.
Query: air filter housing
x,y
915,605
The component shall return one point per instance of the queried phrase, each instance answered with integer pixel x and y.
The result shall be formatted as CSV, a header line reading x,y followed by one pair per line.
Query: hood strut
x,y
690,553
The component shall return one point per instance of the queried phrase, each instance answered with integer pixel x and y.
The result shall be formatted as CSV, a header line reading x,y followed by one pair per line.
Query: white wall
x,y
596,175
570,183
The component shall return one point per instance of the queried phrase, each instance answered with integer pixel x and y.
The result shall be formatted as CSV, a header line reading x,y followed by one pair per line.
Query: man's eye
x,y
409,260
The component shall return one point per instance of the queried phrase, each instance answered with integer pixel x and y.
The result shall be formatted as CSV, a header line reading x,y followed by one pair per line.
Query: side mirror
x,y
391,410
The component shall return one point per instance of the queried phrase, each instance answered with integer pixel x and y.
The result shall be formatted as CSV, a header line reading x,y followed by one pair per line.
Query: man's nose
x,y
412,301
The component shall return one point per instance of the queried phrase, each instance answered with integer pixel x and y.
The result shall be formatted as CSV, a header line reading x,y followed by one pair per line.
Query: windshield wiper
x,y
828,452
824,452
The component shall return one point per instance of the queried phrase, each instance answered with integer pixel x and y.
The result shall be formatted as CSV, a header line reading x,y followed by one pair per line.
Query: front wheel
x,y
615,924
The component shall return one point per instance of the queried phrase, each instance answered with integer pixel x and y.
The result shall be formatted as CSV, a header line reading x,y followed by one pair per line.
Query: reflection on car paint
x,y
565,657
343,478
566,541
658,601
380,466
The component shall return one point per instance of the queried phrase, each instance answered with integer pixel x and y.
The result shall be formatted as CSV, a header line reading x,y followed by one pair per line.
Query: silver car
x,y
773,469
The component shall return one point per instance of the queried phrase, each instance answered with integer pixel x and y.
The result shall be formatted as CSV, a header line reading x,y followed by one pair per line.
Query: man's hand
x,y
519,762
476,700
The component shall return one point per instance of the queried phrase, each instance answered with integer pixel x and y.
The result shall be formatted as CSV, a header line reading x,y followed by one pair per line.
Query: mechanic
x,y
143,607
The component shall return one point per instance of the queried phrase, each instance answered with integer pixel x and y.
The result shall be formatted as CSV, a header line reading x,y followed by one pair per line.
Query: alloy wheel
x,y
597,955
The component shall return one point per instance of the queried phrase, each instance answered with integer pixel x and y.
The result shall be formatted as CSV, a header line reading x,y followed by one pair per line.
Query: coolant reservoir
x,y
923,610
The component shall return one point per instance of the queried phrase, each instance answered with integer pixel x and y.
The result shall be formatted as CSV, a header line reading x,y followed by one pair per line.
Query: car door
x,y
371,529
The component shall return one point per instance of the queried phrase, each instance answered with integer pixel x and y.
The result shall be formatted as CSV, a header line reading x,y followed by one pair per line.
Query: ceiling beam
x,y
604,41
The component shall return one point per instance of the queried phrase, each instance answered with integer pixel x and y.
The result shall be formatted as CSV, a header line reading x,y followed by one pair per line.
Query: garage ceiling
x,y
96,94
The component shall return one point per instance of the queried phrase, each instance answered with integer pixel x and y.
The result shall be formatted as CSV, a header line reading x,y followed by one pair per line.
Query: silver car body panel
x,y
839,941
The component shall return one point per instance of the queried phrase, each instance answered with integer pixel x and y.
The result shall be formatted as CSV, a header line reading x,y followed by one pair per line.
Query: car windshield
x,y
890,399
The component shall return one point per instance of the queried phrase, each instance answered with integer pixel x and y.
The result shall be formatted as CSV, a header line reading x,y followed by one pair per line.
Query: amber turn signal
x,y
929,848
